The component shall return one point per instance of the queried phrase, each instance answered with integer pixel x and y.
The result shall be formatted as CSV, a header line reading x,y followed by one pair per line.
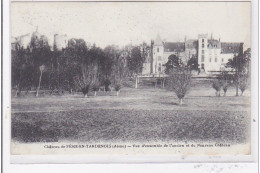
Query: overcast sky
x,y
121,23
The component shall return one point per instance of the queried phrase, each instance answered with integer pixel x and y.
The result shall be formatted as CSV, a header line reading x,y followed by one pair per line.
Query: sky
x,y
122,23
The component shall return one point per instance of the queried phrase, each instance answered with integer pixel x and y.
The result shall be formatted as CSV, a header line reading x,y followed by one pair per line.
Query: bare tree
x,y
217,86
180,84
95,87
225,86
119,72
87,78
243,83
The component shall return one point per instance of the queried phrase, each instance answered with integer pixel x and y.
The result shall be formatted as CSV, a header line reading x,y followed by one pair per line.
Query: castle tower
x,y
158,51
151,56
202,51
60,42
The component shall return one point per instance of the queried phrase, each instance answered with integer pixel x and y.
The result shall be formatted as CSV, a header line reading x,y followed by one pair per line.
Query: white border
x,y
80,159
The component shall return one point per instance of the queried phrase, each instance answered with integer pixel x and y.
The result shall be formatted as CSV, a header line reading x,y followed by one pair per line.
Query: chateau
x,y
212,54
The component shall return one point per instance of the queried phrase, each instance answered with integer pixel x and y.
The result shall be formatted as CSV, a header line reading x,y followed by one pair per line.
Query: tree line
x,y
77,67
179,74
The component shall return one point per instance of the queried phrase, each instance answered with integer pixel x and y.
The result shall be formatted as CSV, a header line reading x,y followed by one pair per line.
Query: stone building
x,y
21,42
38,40
211,53
60,42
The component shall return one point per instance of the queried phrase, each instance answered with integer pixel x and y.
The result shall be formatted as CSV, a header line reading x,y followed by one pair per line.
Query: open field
x,y
150,114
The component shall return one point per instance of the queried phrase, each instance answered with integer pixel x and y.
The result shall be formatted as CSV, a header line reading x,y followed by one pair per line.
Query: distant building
x,y
21,42
212,54
38,40
60,42
29,41
162,51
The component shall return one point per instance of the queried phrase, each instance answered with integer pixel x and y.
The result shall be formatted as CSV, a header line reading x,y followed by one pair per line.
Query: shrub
x,y
225,86
217,86
117,88
180,84
95,88
243,84
85,90
107,83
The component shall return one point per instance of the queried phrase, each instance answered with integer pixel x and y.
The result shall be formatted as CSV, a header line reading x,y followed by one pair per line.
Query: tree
x,y
243,83
95,87
224,79
173,64
85,80
135,61
107,83
193,63
240,63
119,74
225,86
180,84
217,86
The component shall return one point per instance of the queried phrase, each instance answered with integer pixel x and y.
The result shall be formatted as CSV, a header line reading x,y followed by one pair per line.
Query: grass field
x,y
150,114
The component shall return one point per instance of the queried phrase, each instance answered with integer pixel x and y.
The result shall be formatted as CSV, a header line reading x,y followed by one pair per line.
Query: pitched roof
x,y
174,46
231,48
158,41
191,44
213,44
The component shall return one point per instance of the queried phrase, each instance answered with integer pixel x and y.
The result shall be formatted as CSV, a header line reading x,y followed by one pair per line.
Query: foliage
x,y
117,87
243,82
75,67
240,62
193,63
96,86
135,61
217,86
225,86
173,64
179,83
107,83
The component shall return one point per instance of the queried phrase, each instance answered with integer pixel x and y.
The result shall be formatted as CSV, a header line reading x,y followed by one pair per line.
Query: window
x,y
202,66
216,59
159,58
202,40
222,59
157,49
202,52
202,58
209,59
202,45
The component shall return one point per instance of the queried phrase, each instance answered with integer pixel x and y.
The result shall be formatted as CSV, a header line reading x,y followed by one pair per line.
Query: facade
x,y
162,50
212,54
28,41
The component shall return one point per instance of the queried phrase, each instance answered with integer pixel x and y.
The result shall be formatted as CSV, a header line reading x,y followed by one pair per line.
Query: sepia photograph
x,y
131,78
